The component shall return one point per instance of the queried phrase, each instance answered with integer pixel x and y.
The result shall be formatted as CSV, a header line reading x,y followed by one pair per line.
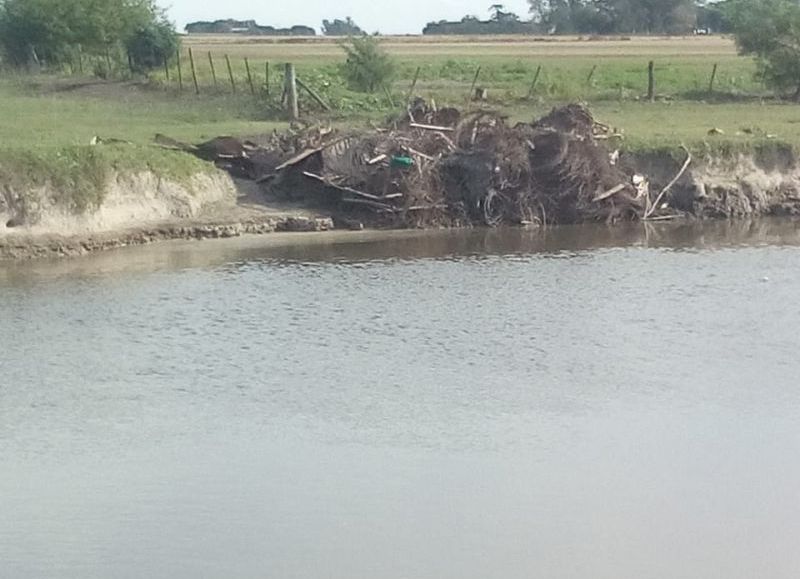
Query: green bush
x,y
151,45
368,67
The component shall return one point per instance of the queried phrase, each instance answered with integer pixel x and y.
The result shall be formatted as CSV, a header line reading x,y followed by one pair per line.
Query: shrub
x,y
368,67
149,46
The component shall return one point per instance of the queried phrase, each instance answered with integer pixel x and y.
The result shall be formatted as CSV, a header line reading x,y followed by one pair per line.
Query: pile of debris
x,y
439,167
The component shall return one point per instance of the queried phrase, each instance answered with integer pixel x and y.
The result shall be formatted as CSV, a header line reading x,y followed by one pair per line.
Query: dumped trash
x,y
439,167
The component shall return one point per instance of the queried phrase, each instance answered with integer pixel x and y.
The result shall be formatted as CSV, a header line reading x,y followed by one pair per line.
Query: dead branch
x,y
670,185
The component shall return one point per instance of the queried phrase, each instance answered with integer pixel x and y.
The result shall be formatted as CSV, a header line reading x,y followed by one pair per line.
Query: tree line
x,y
249,27
595,17
335,27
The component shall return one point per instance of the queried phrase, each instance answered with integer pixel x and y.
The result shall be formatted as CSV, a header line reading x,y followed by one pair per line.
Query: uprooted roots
x,y
470,169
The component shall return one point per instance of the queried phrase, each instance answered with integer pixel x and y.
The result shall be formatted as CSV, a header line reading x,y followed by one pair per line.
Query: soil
x,y
244,212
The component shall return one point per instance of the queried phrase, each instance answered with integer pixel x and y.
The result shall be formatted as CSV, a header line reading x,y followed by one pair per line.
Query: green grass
x,y
42,114
45,137
448,79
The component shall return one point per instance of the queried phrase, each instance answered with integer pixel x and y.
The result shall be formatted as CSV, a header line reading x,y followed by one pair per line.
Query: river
x,y
584,402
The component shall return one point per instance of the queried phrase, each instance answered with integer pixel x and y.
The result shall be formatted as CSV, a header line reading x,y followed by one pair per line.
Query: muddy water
x,y
582,403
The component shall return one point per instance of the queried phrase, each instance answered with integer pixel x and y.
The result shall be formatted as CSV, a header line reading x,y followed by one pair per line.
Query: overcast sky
x,y
403,17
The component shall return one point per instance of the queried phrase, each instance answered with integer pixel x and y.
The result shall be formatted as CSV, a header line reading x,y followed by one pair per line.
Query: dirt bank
x,y
760,183
144,208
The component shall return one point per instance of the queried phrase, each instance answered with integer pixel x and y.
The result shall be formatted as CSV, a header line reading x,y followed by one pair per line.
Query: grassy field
x,y
47,114
571,69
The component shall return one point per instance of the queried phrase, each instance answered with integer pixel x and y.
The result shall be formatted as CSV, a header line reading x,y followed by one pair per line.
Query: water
x,y
589,402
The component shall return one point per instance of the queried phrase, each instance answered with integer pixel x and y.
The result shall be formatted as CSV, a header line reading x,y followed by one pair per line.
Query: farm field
x,y
571,69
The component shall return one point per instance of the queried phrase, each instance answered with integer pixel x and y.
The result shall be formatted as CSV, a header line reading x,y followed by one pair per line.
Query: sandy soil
x,y
148,217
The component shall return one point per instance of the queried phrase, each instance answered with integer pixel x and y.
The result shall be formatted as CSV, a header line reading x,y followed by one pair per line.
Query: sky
x,y
403,17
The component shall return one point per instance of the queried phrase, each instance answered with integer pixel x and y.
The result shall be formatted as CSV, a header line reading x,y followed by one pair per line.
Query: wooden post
x,y
535,80
194,73
108,62
249,77
713,78
230,74
266,77
313,94
80,59
410,94
474,82
290,79
591,75
180,71
130,63
166,69
651,81
213,69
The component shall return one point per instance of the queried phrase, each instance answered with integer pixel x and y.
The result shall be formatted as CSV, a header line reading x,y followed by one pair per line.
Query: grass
x,y
46,127
47,123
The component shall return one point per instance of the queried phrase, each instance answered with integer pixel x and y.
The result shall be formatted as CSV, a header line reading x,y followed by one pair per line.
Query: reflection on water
x,y
576,402
393,245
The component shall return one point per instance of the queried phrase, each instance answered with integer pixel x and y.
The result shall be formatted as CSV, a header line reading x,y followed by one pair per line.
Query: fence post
x,y
713,78
591,75
266,77
651,81
194,73
180,71
474,82
230,73
213,69
535,80
249,77
108,62
291,92
166,69
80,59
314,95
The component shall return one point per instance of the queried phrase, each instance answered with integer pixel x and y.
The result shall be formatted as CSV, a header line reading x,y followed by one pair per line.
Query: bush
x,y
151,45
770,31
368,67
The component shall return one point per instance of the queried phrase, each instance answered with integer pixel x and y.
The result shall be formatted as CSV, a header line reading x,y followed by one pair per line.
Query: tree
x,y
614,16
337,27
150,45
368,67
497,11
51,30
770,31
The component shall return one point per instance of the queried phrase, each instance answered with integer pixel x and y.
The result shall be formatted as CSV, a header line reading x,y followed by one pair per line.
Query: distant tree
x,y
497,11
299,30
711,16
501,23
770,31
614,16
339,27
368,67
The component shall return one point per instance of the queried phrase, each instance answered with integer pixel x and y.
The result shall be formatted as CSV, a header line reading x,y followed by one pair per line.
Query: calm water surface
x,y
581,403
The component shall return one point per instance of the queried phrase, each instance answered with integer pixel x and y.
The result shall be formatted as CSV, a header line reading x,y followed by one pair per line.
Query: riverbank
x,y
142,208
131,208
80,171
717,190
